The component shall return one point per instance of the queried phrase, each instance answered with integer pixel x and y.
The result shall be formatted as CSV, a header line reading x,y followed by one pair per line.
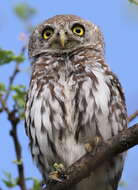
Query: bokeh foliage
x,y
133,1
24,11
16,94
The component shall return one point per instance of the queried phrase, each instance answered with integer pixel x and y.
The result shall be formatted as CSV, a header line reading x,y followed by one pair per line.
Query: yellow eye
x,y
78,30
47,33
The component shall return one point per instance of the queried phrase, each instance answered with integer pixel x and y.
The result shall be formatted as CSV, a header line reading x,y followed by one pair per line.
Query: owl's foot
x,y
92,146
58,174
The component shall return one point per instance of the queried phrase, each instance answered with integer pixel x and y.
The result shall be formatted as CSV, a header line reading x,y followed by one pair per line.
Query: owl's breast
x,y
65,92
85,99
74,103
70,113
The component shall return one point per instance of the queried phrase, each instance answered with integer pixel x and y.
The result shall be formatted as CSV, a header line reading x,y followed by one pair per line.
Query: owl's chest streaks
x,y
68,111
68,86
73,97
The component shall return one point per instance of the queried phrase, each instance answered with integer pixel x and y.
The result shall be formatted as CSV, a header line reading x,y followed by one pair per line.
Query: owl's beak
x,y
62,38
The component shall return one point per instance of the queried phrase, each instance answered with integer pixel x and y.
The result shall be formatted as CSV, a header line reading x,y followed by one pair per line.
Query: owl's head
x,y
64,33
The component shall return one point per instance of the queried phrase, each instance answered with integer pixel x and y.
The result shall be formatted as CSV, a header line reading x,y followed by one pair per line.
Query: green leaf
x,y
7,56
17,162
9,181
36,183
18,59
19,97
2,87
2,93
24,11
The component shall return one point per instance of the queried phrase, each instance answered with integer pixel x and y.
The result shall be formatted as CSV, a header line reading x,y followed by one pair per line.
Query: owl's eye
x,y
78,30
47,33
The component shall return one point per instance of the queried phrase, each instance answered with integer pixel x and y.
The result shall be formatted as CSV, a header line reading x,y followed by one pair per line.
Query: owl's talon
x,y
92,147
54,176
58,174
88,147
59,167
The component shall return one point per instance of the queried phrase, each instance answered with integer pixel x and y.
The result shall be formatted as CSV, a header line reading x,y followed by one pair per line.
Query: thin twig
x,y
89,162
18,150
13,76
11,80
133,116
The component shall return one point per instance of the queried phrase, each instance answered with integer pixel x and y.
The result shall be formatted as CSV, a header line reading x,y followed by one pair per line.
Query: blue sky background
x,y
118,21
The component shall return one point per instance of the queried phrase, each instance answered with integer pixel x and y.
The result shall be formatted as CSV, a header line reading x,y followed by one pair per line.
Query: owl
x,y
73,97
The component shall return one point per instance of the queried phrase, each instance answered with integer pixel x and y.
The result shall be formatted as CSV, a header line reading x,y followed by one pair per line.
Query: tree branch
x,y
88,163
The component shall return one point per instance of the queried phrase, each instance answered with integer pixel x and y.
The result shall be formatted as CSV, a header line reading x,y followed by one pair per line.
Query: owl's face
x,y
63,33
